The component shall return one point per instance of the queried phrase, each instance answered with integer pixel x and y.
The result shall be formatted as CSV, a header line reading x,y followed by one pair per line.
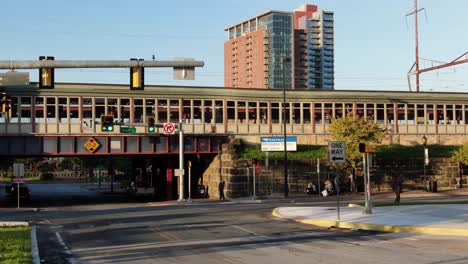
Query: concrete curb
x,y
14,224
34,248
376,227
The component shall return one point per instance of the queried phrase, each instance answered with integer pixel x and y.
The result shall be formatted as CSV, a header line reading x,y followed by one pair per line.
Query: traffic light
x,y
365,148
6,105
107,123
137,76
151,124
362,147
46,75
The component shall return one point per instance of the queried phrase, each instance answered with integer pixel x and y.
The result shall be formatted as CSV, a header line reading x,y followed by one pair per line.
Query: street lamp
x,y
424,142
285,60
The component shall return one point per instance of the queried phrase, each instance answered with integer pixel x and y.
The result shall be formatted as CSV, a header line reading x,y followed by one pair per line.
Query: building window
x,y
25,109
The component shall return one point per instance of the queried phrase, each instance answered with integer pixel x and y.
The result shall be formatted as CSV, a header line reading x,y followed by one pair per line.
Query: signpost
x,y
337,154
336,151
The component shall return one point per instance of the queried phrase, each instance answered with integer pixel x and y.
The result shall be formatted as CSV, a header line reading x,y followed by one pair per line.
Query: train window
x,y
421,116
360,110
450,115
264,113
348,108
25,109
401,114
39,100
252,116
287,113
318,113
339,111
328,113
241,112
39,110
50,110
99,108
411,114
430,114
306,113
150,110
458,115
162,111
231,113
275,113
174,111
208,104
466,113
197,110
390,114
138,113
87,108
219,112
63,109
296,113
440,114
112,108
187,111
74,110
380,114
370,111
125,110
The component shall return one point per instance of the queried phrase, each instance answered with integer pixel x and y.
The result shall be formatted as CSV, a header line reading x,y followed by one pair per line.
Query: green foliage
x,y
45,167
354,130
461,154
47,176
392,152
303,152
15,245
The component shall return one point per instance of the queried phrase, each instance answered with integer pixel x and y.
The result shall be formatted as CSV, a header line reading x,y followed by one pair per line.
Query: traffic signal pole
x,y
181,163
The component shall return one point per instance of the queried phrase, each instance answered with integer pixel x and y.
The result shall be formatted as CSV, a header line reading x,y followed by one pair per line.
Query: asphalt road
x,y
215,232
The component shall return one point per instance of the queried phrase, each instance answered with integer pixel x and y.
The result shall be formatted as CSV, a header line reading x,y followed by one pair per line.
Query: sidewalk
x,y
445,219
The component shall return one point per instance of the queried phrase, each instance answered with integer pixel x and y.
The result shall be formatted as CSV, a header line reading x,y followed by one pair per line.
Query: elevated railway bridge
x,y
62,121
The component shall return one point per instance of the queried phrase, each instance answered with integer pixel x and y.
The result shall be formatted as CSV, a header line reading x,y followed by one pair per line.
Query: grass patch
x,y
303,152
15,245
405,152
386,152
38,179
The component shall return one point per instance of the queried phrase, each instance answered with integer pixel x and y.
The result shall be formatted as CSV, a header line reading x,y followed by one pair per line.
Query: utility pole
x,y
459,60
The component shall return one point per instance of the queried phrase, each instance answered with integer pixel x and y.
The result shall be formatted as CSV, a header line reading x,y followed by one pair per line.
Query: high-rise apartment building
x,y
281,49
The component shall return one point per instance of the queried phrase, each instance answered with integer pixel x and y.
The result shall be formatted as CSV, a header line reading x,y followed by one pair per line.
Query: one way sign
x,y
336,151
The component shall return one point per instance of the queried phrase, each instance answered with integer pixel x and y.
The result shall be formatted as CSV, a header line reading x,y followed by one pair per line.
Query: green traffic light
x,y
150,129
110,128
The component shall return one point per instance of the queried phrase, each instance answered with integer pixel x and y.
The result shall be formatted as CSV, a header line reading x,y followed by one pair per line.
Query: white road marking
x,y
244,229
67,250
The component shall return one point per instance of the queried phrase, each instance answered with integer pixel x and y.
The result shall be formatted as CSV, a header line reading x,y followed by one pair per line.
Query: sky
x,y
374,41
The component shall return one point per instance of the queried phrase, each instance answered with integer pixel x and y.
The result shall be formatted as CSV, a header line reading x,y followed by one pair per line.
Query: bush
x,y
47,176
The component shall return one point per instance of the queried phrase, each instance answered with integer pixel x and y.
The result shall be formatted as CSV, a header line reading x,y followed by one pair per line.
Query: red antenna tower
x,y
415,70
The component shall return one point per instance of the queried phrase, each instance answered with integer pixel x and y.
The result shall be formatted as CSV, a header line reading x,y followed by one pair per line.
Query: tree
x,y
460,156
353,130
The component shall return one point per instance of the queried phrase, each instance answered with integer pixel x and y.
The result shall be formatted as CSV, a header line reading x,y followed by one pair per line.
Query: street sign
x,y
169,128
336,151
277,143
91,145
18,170
128,130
